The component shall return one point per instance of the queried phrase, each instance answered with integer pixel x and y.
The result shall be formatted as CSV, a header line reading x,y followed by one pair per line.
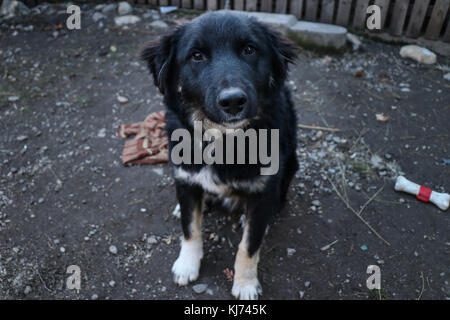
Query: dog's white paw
x,y
186,268
246,290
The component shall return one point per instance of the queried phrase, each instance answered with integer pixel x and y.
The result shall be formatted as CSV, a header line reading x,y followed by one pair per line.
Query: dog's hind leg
x,y
246,285
186,268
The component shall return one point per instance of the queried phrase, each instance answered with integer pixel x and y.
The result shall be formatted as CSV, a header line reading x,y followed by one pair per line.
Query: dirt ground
x,y
65,197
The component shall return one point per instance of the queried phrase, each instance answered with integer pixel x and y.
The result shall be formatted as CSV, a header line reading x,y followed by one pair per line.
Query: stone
x,y
152,240
447,76
290,252
122,99
158,24
113,249
319,35
128,19
99,7
110,7
13,99
418,54
200,288
354,41
124,8
14,8
280,22
98,16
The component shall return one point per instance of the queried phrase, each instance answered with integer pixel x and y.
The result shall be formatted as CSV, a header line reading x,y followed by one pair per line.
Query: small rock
x,y
316,203
301,294
110,7
22,138
124,20
101,133
124,8
13,8
447,76
62,249
94,296
354,41
158,24
99,7
13,99
113,249
290,252
418,54
152,240
98,16
307,284
112,283
200,288
27,290
122,99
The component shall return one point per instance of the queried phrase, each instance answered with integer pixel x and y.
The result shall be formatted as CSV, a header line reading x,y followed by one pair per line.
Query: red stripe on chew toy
x,y
424,194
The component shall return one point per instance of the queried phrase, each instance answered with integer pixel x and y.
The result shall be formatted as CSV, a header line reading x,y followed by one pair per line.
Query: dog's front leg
x,y
246,285
186,268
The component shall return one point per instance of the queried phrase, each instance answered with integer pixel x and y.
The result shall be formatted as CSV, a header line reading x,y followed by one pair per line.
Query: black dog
x,y
228,71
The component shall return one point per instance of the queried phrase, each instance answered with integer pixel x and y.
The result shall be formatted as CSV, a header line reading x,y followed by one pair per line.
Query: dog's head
x,y
221,65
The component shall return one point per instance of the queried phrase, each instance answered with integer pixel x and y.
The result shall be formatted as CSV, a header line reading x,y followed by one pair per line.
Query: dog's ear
x,y
160,55
284,53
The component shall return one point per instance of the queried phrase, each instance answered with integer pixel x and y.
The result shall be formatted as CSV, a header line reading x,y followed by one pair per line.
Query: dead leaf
x,y
359,74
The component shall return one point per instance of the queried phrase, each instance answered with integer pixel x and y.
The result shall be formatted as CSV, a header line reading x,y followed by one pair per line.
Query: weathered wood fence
x,y
411,18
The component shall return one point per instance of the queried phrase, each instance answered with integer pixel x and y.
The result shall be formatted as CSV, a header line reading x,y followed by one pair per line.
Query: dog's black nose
x,y
232,100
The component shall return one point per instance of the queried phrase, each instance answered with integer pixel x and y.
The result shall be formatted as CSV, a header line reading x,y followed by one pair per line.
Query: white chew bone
x,y
441,200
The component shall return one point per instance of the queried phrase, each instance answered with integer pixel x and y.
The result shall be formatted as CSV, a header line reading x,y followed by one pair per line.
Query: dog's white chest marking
x,y
209,181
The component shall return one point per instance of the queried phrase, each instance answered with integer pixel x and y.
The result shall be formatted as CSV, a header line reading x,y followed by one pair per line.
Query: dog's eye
x,y
197,56
249,50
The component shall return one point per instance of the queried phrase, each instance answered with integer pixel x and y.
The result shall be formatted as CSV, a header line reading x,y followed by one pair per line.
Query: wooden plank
x,y
238,5
417,17
251,5
266,5
186,4
296,8
211,4
360,17
446,37
198,4
153,2
327,12
343,13
163,2
281,6
437,19
398,17
311,10
175,3
384,7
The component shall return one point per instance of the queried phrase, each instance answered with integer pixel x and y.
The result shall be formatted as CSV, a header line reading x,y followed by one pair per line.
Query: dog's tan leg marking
x,y
186,268
246,285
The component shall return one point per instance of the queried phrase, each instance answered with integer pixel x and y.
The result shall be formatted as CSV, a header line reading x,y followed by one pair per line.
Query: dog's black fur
x,y
192,66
